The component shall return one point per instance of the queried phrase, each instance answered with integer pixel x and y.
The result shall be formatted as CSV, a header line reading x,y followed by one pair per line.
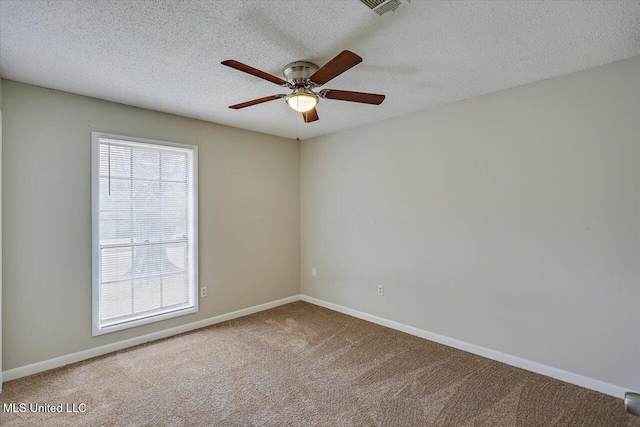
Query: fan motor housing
x,y
297,73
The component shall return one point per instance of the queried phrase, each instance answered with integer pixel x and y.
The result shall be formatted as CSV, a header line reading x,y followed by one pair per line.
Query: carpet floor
x,y
303,365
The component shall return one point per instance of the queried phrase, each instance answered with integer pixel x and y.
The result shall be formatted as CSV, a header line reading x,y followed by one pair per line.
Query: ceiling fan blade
x,y
253,71
345,95
256,101
310,116
335,67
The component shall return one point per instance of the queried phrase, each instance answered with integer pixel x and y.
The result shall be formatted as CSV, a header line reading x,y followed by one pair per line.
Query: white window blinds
x,y
146,232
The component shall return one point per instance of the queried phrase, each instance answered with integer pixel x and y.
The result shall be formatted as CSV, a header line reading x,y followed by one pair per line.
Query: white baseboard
x,y
57,362
559,374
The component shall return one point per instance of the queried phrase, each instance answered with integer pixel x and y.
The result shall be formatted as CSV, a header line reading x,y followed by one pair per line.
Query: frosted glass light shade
x,y
302,102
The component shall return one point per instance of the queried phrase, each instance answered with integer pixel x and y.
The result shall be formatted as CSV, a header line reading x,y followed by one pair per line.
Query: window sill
x,y
97,330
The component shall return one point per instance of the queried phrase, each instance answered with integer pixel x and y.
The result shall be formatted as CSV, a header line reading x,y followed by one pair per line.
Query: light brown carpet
x,y
302,365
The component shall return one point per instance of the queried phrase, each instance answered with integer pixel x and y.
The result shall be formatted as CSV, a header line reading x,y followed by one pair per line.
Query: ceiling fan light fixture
x,y
302,100
302,77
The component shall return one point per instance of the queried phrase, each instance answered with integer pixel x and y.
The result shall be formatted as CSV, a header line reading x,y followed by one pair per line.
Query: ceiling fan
x,y
302,77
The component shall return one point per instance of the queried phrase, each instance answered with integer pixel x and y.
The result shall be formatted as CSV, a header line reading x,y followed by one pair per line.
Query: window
x,y
145,228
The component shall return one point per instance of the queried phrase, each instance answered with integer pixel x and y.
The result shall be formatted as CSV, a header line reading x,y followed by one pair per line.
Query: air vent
x,y
372,4
384,6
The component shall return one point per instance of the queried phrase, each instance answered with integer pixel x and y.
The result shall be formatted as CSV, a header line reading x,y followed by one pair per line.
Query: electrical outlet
x,y
313,271
203,292
380,290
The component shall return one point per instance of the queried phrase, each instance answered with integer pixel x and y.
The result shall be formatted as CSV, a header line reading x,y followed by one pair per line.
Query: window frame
x,y
95,237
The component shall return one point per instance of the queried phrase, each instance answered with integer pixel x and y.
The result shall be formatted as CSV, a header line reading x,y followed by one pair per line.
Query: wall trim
x,y
559,374
45,365
518,362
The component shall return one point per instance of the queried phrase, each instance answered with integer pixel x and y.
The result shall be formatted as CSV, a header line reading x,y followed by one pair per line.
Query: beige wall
x,y
0,234
510,221
248,217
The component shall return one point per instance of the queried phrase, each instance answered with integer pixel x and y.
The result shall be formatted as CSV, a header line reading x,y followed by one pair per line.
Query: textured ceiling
x,y
165,55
